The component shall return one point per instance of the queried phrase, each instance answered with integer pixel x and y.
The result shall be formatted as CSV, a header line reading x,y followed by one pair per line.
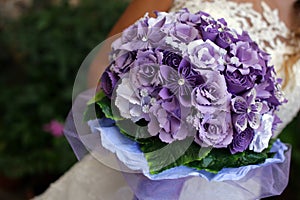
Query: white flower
x,y
206,55
262,135
127,101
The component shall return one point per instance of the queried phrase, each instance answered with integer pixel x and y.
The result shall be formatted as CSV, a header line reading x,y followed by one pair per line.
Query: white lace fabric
x,y
88,179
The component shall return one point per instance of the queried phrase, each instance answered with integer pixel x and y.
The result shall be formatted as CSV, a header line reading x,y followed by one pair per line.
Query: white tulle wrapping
x,y
250,182
128,152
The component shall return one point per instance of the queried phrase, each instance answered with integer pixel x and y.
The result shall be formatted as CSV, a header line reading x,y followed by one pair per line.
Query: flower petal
x,y
240,122
254,120
239,105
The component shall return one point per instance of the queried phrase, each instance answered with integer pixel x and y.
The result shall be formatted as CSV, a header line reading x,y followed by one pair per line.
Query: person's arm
x,y
135,10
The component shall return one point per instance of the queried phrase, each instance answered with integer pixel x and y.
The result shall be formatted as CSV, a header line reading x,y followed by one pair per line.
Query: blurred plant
x,y
40,55
291,135
54,127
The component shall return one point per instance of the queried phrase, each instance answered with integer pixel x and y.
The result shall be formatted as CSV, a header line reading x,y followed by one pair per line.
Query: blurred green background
x,y
42,44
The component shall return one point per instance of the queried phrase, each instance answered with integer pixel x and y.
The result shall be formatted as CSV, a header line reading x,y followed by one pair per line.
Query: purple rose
x,y
212,94
241,140
108,82
224,39
148,57
215,130
165,121
206,55
245,56
146,75
209,33
189,18
171,59
239,83
123,62
184,32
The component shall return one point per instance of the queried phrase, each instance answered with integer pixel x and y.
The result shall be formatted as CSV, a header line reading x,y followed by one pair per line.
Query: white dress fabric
x,y
89,179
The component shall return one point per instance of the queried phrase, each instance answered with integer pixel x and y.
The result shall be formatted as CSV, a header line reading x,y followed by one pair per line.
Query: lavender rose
x,y
189,18
244,57
212,94
148,57
206,55
215,130
184,33
128,101
146,75
123,62
165,120
241,140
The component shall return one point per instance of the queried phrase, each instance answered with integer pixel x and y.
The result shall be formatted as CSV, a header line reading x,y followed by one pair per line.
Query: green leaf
x,y
105,105
98,97
135,132
162,156
218,159
91,112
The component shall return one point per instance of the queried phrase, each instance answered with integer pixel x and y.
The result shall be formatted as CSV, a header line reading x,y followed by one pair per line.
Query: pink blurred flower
x,y
55,128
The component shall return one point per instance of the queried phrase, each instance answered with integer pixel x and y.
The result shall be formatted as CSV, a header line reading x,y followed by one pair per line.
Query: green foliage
x,y
40,55
161,156
291,136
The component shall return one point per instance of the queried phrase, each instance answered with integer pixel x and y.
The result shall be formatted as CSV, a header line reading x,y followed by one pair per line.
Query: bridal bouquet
x,y
186,92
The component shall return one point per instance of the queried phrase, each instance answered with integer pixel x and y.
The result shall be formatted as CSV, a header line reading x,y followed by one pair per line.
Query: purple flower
x,y
141,36
184,33
171,59
55,128
215,130
145,57
244,57
238,83
146,75
189,18
123,62
272,86
179,82
212,94
165,120
206,55
241,140
209,33
108,82
247,111
224,39
187,71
